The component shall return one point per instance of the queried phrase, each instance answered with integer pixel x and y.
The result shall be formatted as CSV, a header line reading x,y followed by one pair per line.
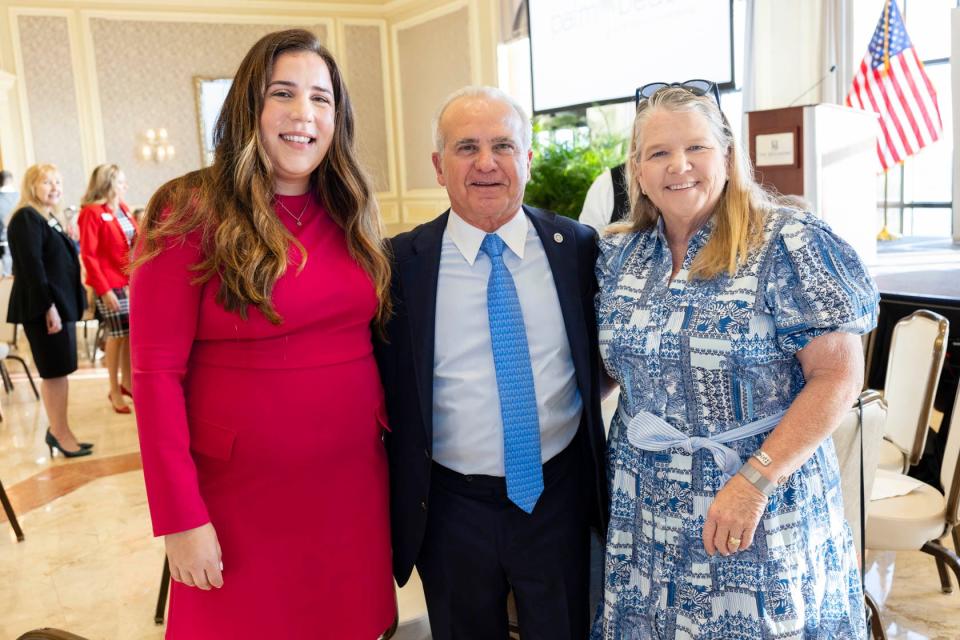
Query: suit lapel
x,y
419,274
59,232
561,249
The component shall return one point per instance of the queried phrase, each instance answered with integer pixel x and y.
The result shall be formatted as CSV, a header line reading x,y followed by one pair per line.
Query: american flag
x,y
892,83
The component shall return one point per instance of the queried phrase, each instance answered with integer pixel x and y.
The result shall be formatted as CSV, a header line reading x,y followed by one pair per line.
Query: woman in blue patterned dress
x,y
731,327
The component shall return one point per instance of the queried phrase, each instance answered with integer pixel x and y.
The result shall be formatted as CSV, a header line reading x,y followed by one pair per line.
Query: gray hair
x,y
488,93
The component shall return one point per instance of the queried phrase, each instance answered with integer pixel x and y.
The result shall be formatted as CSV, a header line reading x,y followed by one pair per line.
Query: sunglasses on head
x,y
696,87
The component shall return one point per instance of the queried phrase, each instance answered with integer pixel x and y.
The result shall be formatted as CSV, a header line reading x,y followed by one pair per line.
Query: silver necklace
x,y
297,218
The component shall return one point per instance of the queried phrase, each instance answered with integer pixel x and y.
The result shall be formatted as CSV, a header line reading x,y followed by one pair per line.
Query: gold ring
x,y
733,542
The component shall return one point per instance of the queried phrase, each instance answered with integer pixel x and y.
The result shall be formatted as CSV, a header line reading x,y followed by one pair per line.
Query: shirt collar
x,y
468,238
699,238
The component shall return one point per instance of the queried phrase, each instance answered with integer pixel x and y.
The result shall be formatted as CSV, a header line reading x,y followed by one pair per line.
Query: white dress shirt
x,y
467,427
598,204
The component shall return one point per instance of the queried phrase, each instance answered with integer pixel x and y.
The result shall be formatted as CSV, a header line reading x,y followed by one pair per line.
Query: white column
x,y
955,89
11,142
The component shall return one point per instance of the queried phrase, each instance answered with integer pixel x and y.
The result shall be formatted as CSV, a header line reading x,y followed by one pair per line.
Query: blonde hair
x,y
28,195
103,184
743,205
243,240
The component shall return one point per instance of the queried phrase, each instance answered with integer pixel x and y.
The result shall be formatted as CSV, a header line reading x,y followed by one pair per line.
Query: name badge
x,y
107,217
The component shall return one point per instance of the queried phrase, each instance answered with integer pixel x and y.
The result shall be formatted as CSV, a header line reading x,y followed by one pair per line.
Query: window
x,y
918,192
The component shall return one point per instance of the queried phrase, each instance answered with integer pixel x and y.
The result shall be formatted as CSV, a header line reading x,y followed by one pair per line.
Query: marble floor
x,y
89,564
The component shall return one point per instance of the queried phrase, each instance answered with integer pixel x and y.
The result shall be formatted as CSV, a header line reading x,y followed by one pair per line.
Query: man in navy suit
x,y
491,373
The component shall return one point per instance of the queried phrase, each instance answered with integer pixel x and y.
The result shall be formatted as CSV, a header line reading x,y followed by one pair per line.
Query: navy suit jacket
x,y
405,357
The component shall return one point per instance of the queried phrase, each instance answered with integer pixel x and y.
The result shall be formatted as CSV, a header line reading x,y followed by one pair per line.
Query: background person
x,y
257,393
8,198
107,233
725,319
607,199
47,298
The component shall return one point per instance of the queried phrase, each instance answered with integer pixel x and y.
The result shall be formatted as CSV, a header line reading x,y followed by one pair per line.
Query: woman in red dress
x,y
258,283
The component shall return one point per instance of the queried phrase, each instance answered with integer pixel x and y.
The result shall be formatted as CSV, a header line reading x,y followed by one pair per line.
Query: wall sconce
x,y
156,146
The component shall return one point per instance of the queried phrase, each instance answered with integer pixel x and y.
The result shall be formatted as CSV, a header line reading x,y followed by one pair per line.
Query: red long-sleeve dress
x,y
273,434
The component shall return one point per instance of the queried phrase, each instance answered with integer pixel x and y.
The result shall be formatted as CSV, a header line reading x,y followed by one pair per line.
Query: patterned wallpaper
x,y
364,76
51,96
434,60
145,73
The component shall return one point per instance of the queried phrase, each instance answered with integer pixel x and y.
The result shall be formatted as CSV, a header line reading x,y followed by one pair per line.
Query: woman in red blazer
x,y
107,233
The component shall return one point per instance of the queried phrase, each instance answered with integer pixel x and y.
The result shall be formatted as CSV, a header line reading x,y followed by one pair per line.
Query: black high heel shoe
x,y
83,445
52,444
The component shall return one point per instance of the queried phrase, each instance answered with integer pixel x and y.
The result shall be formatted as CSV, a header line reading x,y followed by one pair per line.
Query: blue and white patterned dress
x,y
709,356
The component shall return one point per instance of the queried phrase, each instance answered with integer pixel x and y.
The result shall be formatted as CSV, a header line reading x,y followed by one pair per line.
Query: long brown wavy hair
x,y
243,241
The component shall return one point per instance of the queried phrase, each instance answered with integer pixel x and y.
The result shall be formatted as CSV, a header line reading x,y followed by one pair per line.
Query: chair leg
x,y
91,346
945,556
162,596
945,585
11,516
956,538
876,622
29,375
7,382
100,337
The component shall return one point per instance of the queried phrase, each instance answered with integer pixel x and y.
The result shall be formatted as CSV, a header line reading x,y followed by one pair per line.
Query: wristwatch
x,y
757,479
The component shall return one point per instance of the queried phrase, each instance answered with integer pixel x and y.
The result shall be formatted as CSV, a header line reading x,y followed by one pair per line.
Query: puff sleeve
x,y
817,284
613,249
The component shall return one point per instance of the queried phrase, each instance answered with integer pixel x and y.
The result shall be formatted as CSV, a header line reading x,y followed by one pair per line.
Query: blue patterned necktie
x,y
518,398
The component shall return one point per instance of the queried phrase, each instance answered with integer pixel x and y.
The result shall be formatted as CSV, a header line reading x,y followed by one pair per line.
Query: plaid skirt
x,y
117,322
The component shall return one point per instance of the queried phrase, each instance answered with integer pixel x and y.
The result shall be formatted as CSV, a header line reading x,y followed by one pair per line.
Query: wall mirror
x,y
210,93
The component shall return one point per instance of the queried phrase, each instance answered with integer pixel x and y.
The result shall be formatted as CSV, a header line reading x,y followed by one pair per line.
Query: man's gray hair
x,y
489,93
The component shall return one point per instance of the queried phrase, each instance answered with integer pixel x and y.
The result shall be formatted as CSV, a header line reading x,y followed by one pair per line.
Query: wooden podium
x,y
826,154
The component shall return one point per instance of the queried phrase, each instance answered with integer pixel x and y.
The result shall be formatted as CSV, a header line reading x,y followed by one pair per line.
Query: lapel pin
x,y
558,238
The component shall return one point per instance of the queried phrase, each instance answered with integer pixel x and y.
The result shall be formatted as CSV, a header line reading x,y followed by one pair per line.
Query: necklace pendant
x,y
299,224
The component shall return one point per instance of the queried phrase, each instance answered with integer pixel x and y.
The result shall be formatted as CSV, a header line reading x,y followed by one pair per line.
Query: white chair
x,y
917,349
8,340
920,518
847,442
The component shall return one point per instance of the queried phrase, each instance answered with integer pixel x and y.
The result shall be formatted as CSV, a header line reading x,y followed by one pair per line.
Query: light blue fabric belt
x,y
652,433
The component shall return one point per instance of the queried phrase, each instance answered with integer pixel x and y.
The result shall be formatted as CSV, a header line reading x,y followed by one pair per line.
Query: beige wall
x,y
427,78
54,120
145,74
121,67
365,70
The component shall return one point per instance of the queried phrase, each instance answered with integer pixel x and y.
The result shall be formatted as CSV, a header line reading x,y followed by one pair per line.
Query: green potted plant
x,y
566,161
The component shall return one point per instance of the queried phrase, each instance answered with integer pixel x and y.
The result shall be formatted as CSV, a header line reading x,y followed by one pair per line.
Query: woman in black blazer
x,y
47,297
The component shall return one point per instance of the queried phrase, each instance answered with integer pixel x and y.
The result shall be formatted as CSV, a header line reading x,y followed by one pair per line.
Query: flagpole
x,y
885,235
